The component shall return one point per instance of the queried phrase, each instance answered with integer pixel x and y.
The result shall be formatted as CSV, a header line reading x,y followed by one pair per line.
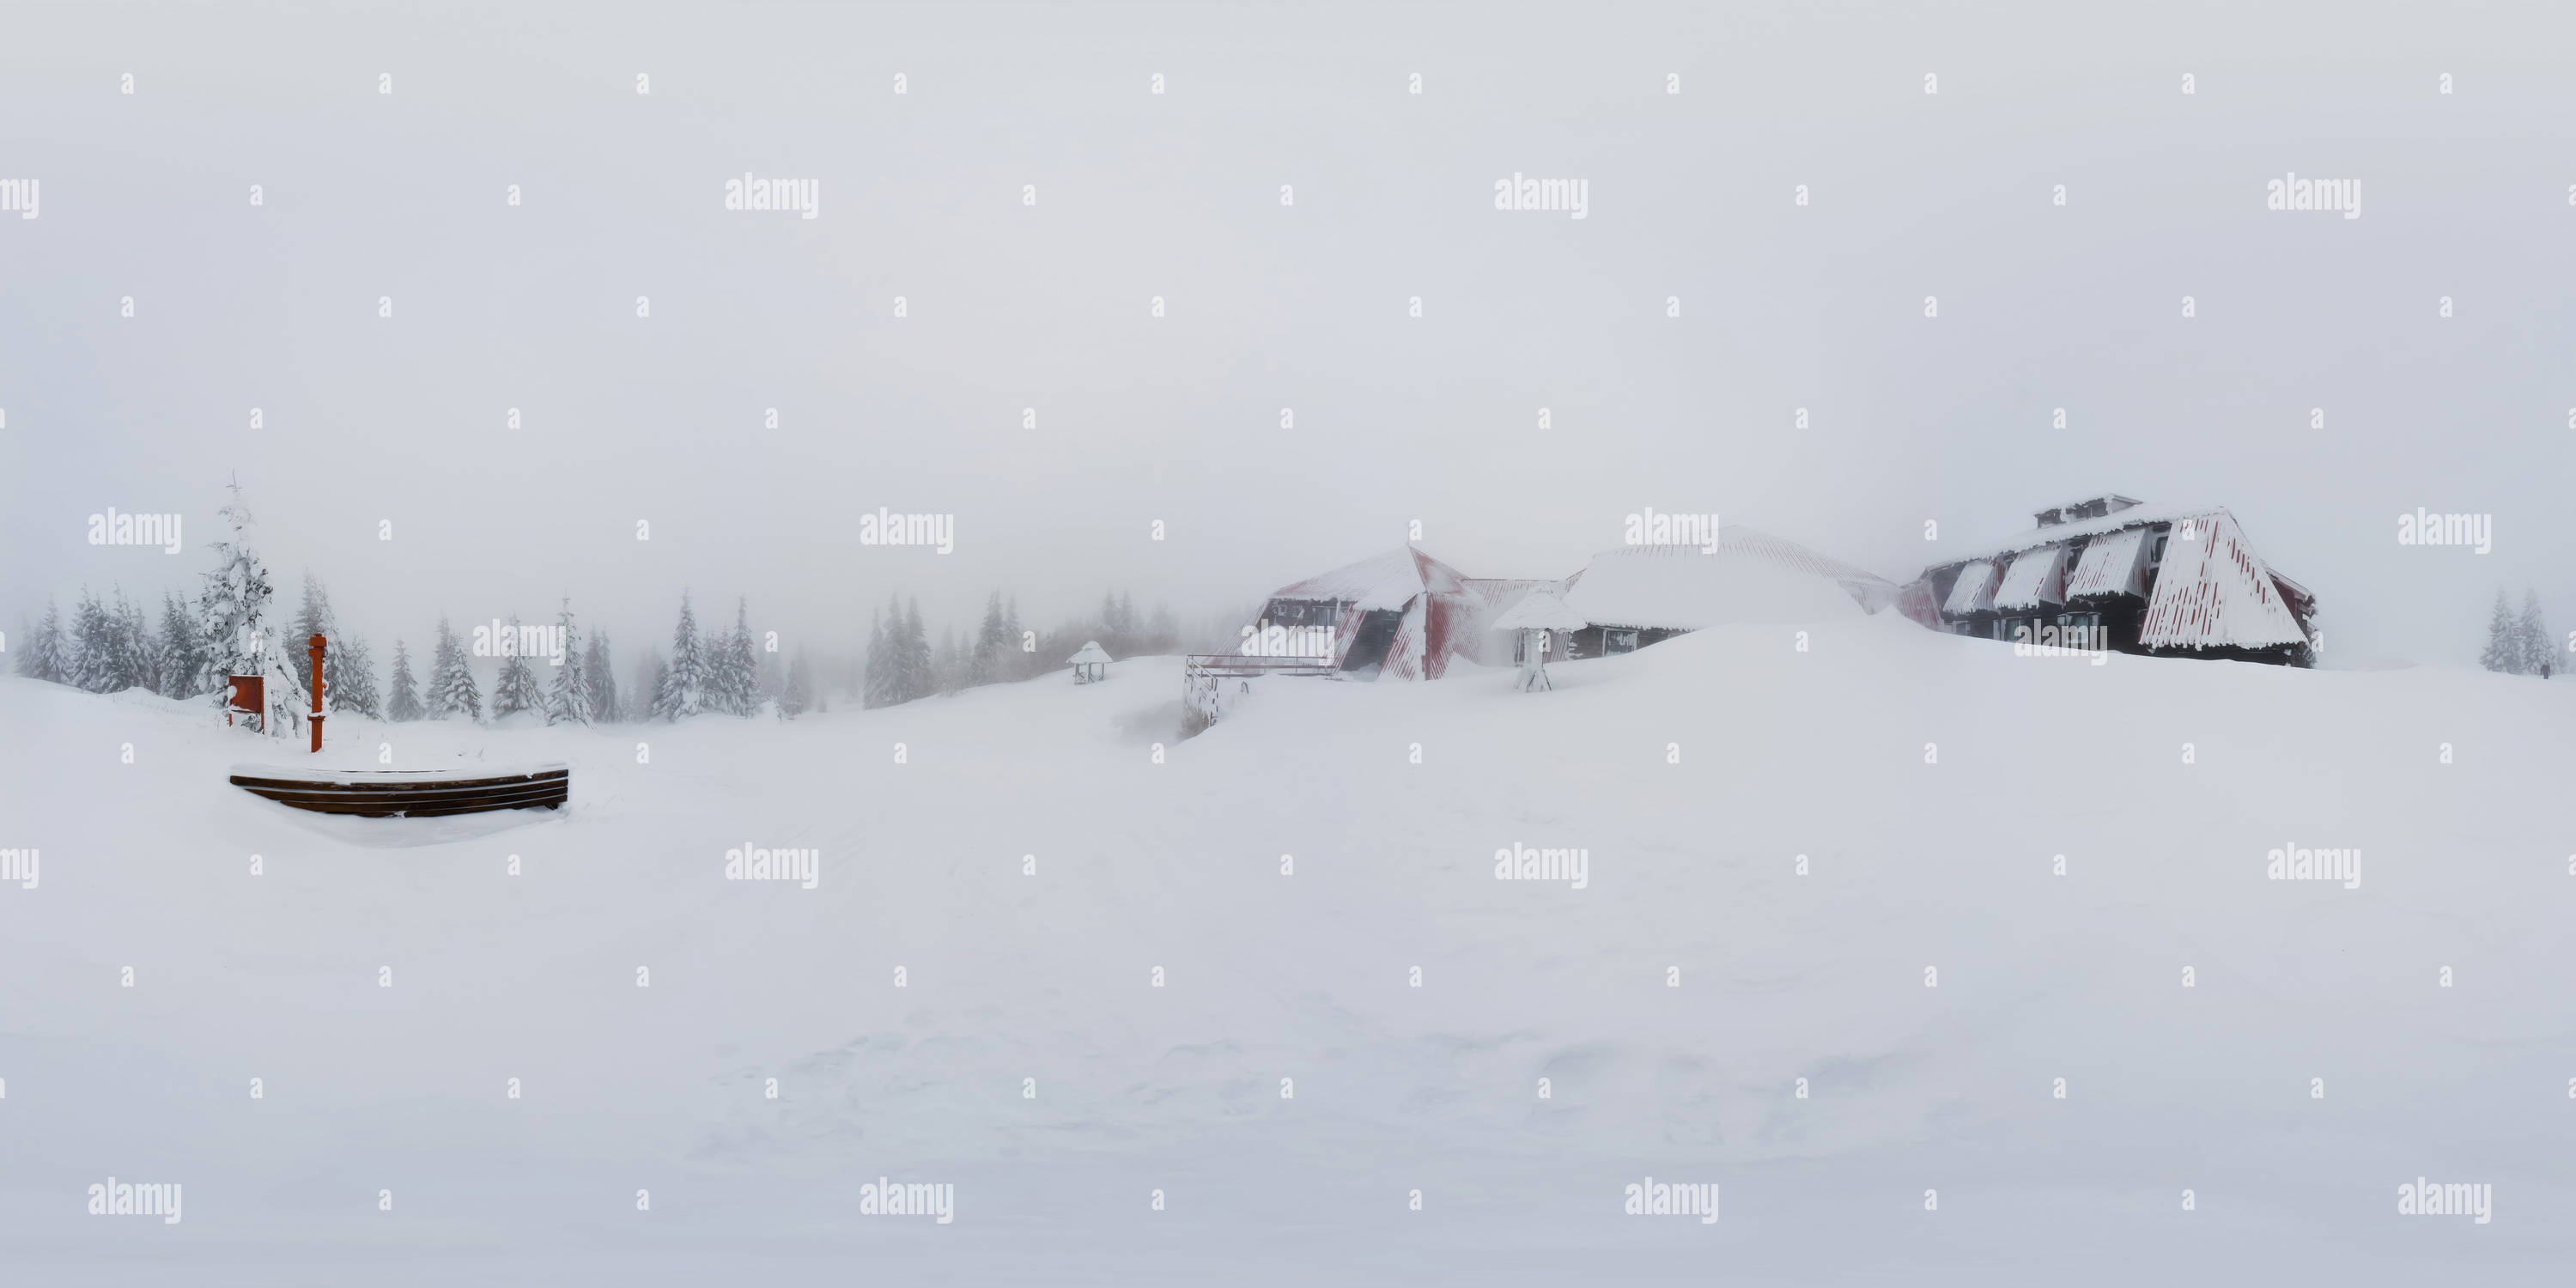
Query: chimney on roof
x,y
2090,508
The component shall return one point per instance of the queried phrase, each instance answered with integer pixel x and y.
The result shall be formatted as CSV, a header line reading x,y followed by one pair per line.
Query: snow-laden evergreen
x,y
45,654
2504,644
798,695
568,696
737,670
684,686
237,622
452,690
601,672
349,669
404,702
2538,650
517,689
182,661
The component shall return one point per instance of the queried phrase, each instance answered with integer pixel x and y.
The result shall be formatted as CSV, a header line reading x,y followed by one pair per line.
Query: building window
x,y
1618,642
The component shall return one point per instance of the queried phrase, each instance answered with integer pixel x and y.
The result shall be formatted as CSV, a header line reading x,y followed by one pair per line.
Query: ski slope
x,y
1008,976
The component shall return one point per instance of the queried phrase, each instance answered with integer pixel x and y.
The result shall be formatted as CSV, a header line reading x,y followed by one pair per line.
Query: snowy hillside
x,y
1690,874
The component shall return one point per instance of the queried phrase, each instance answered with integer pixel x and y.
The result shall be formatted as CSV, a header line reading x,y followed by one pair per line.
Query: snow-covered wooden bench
x,y
426,793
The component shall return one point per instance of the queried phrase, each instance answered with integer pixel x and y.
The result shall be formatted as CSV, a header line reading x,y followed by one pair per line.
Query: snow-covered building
x,y
1634,596
1401,614
1406,615
2179,580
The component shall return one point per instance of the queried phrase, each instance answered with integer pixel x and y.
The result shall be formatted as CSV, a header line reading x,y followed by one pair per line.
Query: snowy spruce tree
x,y
44,654
739,668
799,693
349,668
452,690
990,641
403,703
602,676
183,654
2537,651
684,687
876,686
2504,645
650,674
568,698
921,673
517,689
237,622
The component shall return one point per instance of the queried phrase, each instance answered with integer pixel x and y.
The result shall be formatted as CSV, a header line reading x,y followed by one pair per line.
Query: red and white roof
x,y
1974,591
1386,581
2112,565
2036,577
2214,591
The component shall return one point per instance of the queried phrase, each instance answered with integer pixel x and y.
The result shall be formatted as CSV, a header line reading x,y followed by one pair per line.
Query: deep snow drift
x,y
1011,977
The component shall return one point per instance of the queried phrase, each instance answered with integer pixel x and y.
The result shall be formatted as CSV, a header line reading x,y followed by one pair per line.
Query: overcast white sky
x,y
370,195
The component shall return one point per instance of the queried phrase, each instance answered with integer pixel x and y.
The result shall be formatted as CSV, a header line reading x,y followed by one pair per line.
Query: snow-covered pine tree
x,y
87,660
684,687
985,666
237,624
602,675
651,673
138,658
313,617
800,688
920,672
349,668
741,669
44,655
568,698
183,654
404,702
2534,634
452,690
517,689
876,675
1017,663
2503,651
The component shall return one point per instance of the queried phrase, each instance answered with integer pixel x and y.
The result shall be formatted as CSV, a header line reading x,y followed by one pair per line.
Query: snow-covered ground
x,y
1139,865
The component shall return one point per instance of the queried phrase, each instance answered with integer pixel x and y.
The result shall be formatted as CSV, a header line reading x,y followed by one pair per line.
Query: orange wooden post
x,y
314,647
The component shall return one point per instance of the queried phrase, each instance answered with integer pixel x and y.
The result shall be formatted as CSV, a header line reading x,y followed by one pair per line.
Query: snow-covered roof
x,y
2111,566
1973,592
2036,577
2136,516
1752,576
1385,581
2213,591
1090,652
1539,610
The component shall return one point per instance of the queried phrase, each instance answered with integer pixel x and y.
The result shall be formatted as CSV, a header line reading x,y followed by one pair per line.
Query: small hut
x,y
1536,619
1091,663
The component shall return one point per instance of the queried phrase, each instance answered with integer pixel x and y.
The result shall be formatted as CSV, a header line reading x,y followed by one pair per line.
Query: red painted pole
x,y
314,647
